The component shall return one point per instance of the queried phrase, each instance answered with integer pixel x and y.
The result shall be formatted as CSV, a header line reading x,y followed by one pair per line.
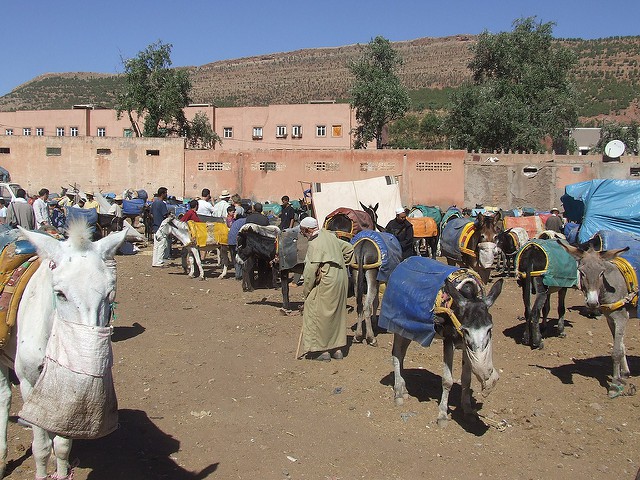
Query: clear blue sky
x,y
44,36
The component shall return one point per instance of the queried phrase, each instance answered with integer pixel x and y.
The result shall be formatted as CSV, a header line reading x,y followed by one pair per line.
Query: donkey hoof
x,y
443,421
399,401
373,342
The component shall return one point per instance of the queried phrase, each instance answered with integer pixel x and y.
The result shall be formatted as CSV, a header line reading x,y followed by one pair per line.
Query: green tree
x,y
377,94
520,93
154,93
413,132
627,134
200,134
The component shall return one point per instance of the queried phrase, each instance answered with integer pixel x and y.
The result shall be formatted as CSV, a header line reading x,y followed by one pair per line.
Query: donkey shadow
x,y
426,386
516,332
137,450
598,368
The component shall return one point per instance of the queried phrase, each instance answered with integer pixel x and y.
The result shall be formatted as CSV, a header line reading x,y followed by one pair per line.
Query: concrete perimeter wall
x,y
536,180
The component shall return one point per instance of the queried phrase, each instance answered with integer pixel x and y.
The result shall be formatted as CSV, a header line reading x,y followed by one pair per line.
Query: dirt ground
x,y
208,387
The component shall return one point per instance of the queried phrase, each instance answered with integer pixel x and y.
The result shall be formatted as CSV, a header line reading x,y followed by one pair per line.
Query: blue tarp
x,y
608,205
610,240
390,251
450,238
408,302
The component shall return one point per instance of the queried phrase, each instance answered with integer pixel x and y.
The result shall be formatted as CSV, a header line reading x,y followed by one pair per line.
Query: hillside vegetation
x,y
607,78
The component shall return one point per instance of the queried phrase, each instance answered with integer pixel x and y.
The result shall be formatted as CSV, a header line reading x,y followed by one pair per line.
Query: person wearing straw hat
x,y
116,207
326,281
91,202
554,222
220,208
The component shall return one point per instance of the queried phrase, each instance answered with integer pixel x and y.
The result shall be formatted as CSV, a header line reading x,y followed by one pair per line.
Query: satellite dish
x,y
614,149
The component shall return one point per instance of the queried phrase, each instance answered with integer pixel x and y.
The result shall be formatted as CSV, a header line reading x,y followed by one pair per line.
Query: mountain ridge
x,y
607,77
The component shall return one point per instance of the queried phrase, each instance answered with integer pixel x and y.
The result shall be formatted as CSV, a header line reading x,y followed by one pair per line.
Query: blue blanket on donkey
x,y
449,238
408,302
390,251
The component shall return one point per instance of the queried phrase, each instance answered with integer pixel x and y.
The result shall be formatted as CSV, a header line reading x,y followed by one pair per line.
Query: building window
x,y
215,166
336,130
59,131
201,166
127,132
322,166
434,166
39,132
26,132
267,166
54,151
8,131
281,131
73,131
227,132
153,153
103,151
633,171
102,132
257,133
5,150
321,130
296,131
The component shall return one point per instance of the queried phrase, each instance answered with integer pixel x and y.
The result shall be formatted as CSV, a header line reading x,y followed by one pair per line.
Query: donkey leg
x,y
41,443
398,351
372,293
448,348
562,294
284,288
541,298
5,404
359,308
62,449
617,322
546,308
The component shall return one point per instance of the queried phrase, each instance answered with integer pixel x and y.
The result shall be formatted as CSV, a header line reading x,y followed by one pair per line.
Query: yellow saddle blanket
x,y
15,272
210,233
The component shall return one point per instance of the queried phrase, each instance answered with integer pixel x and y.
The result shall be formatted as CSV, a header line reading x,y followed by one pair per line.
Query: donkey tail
x,y
526,290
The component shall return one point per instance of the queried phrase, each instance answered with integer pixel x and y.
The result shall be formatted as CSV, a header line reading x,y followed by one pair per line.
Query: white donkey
x,y
74,284
191,252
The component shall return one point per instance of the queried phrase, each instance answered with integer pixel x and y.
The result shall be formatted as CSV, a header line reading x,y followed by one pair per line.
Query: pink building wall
x,y
427,177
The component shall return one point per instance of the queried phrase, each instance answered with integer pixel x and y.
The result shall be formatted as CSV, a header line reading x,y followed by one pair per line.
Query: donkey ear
x,y
458,298
375,209
107,246
497,217
363,207
571,250
495,291
46,245
611,254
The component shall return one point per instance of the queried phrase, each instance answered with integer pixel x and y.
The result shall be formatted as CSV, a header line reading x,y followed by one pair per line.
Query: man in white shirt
x,y
205,209
3,211
220,208
40,208
116,207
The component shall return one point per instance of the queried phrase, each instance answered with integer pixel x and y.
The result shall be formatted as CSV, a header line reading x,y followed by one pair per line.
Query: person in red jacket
x,y
191,213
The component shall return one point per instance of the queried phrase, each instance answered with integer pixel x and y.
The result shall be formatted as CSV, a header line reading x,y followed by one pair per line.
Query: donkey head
x,y
82,273
472,309
592,266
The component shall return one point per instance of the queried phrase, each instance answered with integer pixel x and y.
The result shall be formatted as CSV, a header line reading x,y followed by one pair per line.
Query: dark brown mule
x,y
473,245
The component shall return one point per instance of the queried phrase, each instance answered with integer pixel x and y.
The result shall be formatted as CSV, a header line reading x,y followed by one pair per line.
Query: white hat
x,y
554,209
309,222
118,197
225,194
88,192
399,211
